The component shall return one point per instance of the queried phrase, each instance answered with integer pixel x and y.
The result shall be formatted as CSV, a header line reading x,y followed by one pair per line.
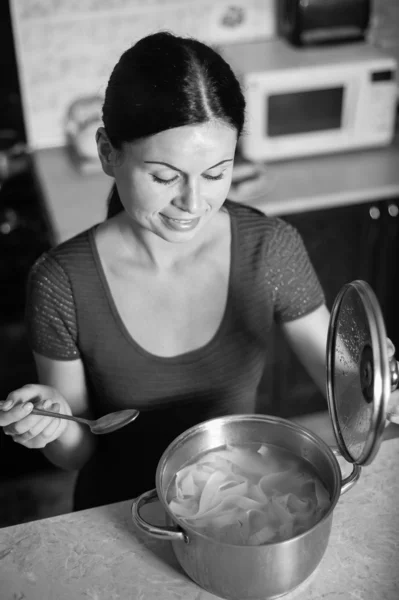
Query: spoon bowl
x,y
105,424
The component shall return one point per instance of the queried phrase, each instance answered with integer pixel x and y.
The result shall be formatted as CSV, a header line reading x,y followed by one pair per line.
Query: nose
x,y
190,199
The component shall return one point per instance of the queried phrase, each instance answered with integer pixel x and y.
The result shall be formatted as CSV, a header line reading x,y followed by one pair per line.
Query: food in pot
x,y
248,495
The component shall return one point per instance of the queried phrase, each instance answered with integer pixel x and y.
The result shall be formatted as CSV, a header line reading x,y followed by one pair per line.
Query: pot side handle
x,y
161,533
348,482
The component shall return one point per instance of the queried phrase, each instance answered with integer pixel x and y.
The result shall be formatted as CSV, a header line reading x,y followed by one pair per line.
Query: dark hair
x,y
165,81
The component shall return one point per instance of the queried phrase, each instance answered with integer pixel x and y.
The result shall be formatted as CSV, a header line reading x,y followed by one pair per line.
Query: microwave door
x,y
290,117
304,112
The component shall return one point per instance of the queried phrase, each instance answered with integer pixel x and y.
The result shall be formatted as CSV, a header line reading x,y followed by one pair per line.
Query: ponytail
x,y
114,204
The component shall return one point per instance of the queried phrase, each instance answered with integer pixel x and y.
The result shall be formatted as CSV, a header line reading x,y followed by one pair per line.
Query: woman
x,y
168,304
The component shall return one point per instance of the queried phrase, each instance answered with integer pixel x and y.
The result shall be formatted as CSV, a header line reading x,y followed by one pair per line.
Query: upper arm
x,y
50,317
308,338
52,332
299,301
291,275
68,378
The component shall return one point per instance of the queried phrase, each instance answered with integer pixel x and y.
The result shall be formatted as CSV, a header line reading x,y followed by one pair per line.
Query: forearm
x,y
319,422
308,338
72,449
65,383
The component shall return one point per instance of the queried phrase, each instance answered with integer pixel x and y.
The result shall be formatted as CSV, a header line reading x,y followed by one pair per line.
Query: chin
x,y
177,238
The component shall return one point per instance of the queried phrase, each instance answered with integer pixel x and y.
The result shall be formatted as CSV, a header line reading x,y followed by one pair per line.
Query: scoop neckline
x,y
187,357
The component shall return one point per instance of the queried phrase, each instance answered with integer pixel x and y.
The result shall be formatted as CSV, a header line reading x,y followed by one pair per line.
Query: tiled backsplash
x,y
384,26
67,48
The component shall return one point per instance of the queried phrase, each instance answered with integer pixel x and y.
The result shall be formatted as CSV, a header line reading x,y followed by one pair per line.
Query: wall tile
x,y
384,25
67,48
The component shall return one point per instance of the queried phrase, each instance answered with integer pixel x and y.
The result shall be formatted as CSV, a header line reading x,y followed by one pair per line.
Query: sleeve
x,y
296,287
50,315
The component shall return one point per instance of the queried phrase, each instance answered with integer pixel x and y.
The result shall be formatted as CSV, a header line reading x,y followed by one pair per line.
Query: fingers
x,y
44,426
393,407
19,402
31,422
21,397
38,437
44,438
32,431
10,412
393,404
52,428
390,348
30,391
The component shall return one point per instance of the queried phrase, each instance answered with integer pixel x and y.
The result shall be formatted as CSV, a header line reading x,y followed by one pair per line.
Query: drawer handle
x,y
374,213
393,210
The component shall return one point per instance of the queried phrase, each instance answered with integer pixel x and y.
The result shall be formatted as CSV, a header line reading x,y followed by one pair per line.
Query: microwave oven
x,y
313,100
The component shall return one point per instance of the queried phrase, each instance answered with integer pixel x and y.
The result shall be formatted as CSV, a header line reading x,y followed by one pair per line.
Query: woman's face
x,y
172,183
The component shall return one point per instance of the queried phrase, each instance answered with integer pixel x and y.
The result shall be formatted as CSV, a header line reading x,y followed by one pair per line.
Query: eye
x,y
164,181
213,177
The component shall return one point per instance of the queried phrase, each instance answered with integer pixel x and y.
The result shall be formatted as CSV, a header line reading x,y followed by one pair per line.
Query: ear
x,y
106,152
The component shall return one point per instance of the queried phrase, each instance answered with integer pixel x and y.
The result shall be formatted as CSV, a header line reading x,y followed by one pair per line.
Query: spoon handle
x,y
48,413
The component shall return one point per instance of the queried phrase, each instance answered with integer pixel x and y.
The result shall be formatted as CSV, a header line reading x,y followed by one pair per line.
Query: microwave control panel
x,y
382,100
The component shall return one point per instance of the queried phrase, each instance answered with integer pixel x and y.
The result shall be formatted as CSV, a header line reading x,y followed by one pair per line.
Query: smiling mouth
x,y
180,224
182,221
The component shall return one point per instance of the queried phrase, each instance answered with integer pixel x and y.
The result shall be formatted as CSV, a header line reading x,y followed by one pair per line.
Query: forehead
x,y
210,142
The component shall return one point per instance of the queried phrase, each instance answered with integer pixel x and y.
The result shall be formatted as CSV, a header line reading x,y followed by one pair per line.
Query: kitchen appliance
x,y
360,378
82,121
313,100
323,21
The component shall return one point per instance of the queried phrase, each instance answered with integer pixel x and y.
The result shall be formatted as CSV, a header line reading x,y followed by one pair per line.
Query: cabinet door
x,y
384,258
340,243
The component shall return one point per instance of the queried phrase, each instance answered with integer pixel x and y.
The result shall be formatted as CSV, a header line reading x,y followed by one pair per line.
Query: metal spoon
x,y
106,424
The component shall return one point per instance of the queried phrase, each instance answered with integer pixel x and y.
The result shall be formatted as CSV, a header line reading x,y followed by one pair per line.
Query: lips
x,y
180,224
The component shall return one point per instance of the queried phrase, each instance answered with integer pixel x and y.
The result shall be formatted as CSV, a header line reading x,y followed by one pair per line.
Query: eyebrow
x,y
158,162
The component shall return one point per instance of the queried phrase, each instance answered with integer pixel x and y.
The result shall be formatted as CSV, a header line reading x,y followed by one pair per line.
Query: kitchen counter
x,y
97,554
75,201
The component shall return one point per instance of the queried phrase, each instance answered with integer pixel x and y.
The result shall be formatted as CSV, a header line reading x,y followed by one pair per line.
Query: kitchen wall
x,y
67,48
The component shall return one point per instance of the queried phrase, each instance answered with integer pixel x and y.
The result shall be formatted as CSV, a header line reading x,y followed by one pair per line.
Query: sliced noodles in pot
x,y
248,495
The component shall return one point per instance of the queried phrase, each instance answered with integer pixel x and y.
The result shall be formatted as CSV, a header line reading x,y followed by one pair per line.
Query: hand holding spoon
x,y
106,424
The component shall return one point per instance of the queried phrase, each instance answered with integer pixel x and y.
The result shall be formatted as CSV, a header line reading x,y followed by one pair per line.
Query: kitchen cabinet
x,y
358,241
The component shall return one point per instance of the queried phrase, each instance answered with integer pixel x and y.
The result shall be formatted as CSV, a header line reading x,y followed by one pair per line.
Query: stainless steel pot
x,y
246,572
360,378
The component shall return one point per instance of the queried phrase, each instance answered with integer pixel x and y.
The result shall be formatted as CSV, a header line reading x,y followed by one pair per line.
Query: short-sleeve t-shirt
x,y
71,314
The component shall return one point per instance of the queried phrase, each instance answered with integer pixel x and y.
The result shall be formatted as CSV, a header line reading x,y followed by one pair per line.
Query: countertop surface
x,y
76,201
98,555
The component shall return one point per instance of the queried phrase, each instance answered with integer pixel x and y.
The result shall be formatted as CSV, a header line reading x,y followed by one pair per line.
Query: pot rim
x,y
248,417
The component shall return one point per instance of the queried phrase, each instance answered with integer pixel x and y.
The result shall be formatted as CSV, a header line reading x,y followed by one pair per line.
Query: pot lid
x,y
358,372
